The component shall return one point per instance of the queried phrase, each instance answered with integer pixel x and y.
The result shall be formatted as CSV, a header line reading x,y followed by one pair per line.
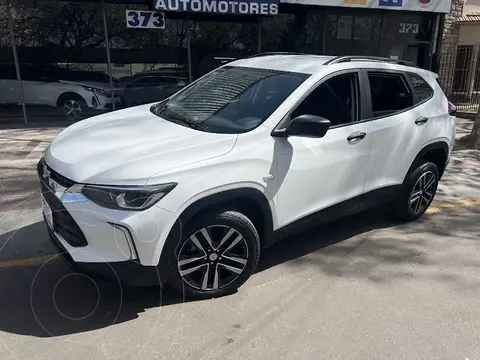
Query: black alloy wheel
x,y
418,192
217,255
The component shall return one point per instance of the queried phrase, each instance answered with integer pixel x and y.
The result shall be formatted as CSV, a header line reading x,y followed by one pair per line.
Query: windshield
x,y
230,99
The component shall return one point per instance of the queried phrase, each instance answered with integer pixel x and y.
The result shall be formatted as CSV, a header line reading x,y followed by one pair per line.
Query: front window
x,y
230,99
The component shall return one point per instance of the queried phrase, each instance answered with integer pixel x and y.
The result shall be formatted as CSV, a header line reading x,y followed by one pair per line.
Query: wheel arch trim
x,y
440,144
209,199
206,200
66,94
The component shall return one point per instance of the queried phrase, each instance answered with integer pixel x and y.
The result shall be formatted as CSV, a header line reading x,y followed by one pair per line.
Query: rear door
x,y
34,85
400,122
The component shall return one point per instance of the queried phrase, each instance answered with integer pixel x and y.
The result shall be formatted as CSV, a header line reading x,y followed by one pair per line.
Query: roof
x,y
318,64
471,17
308,64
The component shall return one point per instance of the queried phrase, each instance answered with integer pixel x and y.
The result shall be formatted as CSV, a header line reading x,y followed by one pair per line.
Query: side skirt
x,y
357,204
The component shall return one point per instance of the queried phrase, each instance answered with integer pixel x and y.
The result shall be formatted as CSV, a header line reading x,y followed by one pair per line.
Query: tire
x,y
73,106
235,243
418,185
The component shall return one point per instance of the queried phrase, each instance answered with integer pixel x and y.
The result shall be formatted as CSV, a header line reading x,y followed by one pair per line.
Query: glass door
x,y
418,54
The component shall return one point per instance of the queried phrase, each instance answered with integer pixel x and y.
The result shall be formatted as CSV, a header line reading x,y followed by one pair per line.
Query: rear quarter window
x,y
420,88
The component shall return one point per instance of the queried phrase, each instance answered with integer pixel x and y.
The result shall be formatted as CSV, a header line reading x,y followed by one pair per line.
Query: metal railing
x,y
459,76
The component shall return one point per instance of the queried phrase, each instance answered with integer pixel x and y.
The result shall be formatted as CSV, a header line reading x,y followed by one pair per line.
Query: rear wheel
x,y
217,255
418,192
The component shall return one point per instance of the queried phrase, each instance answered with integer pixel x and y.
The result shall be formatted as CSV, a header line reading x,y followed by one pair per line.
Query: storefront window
x,y
215,43
284,32
407,36
314,31
351,33
61,51
366,34
149,64
63,57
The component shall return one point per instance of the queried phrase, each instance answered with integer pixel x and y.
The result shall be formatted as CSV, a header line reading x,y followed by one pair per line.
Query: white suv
x,y
189,190
45,85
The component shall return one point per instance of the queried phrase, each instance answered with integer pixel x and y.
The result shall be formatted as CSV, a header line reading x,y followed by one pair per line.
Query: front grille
x,y
63,223
60,179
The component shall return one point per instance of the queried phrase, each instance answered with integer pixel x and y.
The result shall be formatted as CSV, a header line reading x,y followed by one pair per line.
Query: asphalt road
x,y
361,288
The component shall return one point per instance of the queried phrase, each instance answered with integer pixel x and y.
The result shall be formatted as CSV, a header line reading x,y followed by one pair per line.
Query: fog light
x,y
94,101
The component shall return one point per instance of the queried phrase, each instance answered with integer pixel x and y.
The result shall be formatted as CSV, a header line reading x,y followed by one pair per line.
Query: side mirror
x,y
306,126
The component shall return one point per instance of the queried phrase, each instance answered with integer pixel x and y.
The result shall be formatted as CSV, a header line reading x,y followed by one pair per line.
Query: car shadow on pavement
x,y
50,300
322,237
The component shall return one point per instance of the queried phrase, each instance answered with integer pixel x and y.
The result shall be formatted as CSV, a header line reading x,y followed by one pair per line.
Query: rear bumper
x,y
130,272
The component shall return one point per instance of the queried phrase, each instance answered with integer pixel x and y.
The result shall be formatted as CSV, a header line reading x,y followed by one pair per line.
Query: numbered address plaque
x,y
145,19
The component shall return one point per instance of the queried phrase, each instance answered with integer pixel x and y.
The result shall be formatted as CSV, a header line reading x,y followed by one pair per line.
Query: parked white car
x,y
50,86
189,190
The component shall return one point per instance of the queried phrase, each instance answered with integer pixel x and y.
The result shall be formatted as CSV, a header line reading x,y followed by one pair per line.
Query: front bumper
x,y
103,102
90,234
129,272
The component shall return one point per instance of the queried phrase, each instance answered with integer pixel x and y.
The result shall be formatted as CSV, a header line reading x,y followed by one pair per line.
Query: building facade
x,y
75,59
459,65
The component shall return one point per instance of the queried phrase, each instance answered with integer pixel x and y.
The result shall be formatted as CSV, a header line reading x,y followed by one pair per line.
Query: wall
x,y
469,34
451,31
448,51
470,6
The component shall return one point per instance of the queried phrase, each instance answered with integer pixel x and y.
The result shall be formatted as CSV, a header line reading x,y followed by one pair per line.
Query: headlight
x,y
128,197
100,91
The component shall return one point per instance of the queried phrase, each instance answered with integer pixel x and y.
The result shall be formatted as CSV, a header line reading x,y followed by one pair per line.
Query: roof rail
x,y
343,59
274,53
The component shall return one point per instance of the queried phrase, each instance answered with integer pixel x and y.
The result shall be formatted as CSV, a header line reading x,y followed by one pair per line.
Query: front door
x,y
315,173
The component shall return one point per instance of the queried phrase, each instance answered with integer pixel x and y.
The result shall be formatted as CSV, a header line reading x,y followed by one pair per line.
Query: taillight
x,y
452,109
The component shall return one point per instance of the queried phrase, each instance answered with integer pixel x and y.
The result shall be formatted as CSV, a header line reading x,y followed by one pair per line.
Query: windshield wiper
x,y
159,107
182,119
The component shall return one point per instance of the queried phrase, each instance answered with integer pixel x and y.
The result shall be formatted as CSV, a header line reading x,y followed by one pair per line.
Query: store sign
x,y
246,7
145,19
408,28
397,3
436,6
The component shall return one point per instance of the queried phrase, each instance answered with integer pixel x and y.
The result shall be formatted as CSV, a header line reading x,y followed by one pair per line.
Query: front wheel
x,y
217,255
73,107
418,192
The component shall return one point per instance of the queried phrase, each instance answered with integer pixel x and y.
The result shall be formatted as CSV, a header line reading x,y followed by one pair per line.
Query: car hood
x,y
128,146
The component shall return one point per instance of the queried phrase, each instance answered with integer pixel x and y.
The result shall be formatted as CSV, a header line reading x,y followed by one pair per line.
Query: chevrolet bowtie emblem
x,y
45,173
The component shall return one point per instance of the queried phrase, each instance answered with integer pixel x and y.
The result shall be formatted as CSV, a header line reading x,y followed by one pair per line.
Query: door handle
x,y
421,120
356,136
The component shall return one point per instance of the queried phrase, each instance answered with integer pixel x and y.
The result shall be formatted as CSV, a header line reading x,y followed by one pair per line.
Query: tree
x,y
474,137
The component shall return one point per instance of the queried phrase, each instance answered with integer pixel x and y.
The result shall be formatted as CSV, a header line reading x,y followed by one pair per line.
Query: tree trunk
x,y
474,138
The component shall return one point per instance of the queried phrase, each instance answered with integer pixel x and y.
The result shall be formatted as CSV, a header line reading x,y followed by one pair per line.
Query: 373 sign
x,y
408,28
145,19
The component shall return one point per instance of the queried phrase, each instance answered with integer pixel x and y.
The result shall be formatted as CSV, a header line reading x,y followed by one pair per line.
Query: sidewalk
x,y
461,180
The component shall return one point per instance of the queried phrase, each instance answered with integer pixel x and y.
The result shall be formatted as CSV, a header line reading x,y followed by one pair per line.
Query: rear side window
x,y
422,90
390,94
